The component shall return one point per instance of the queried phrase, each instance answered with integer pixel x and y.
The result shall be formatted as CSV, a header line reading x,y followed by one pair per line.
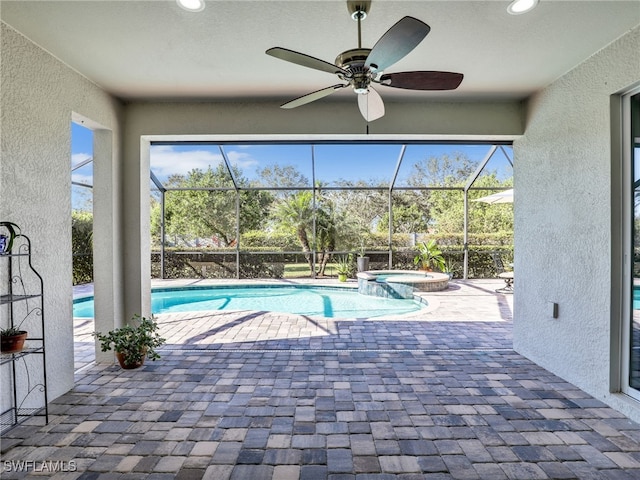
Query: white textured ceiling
x,y
155,50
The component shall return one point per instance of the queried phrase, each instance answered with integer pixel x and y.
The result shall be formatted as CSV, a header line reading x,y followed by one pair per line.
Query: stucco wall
x,y
563,221
39,95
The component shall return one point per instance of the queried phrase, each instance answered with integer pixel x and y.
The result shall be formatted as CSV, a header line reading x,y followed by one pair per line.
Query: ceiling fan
x,y
362,67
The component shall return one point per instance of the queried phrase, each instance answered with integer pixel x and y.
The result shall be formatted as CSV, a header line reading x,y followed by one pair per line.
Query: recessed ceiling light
x,y
191,5
518,7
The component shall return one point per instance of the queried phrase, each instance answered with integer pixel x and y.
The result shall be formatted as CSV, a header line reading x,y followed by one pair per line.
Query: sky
x,y
370,162
81,149
332,162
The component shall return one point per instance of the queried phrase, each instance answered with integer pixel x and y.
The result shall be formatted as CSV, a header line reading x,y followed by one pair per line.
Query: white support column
x,y
107,265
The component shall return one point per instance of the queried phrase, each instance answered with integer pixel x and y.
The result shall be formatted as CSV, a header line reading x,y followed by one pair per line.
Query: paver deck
x,y
249,396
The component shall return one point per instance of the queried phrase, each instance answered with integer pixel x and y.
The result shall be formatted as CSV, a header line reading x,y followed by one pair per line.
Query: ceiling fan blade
x,y
398,41
422,80
305,60
312,97
371,105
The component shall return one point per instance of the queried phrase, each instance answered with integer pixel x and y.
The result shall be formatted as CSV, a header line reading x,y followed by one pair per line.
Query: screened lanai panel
x,y
356,165
497,172
82,174
201,218
189,166
439,165
272,165
82,183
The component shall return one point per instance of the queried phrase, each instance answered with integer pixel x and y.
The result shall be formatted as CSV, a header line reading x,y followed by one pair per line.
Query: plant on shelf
x,y
344,267
134,342
12,339
429,256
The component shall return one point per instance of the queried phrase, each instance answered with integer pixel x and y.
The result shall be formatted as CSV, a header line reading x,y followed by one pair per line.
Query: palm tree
x,y
326,233
296,212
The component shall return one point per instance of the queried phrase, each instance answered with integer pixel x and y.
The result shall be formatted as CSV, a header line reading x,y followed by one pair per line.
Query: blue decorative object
x,y
4,244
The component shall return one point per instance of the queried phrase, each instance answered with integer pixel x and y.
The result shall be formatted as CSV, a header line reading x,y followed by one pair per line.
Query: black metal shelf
x,y
15,416
12,357
23,372
6,299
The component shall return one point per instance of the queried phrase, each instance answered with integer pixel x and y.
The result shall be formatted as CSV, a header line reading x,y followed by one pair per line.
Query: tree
x,y
82,246
327,227
410,212
296,213
445,170
282,176
196,211
447,209
358,209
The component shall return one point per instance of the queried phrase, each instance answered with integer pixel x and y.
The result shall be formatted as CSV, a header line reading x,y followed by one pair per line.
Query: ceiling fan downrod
x,y
358,10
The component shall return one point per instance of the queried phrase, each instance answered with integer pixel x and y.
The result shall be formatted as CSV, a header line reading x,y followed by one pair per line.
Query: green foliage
x,y
429,255
11,332
202,213
82,246
410,212
295,214
274,240
282,176
134,341
345,220
344,265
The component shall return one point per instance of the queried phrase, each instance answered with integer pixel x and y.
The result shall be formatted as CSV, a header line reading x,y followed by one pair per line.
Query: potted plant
x,y
363,261
134,342
344,267
450,267
429,256
12,340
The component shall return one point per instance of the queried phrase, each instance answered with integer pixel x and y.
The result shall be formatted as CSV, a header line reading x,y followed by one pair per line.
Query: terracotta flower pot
x,y
121,360
13,343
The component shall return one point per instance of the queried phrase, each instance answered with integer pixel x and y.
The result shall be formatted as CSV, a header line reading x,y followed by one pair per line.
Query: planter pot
x,y
121,360
13,343
342,277
363,264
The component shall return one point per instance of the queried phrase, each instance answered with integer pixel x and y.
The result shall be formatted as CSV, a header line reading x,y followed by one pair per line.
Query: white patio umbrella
x,y
505,196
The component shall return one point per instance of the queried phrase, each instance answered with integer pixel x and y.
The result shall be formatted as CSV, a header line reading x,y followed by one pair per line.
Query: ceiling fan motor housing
x,y
353,61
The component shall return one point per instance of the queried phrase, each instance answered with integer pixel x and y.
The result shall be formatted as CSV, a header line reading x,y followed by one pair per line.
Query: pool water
x,y
303,300
383,277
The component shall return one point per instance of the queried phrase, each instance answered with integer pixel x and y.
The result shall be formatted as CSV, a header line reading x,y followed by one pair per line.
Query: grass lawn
x,y
301,270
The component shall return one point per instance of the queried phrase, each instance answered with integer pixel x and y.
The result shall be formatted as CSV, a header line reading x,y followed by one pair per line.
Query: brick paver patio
x,y
247,396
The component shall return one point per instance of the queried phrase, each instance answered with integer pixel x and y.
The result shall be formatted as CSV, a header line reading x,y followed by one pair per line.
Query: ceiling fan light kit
x,y
191,5
361,67
518,7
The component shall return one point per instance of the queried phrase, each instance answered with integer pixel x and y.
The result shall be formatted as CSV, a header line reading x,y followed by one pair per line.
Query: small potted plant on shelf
x,y
134,342
344,267
12,340
429,256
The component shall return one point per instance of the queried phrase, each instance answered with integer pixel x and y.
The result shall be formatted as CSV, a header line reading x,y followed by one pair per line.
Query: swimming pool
x,y
331,302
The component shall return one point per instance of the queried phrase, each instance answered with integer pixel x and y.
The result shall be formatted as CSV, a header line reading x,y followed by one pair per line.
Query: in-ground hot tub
x,y
400,283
